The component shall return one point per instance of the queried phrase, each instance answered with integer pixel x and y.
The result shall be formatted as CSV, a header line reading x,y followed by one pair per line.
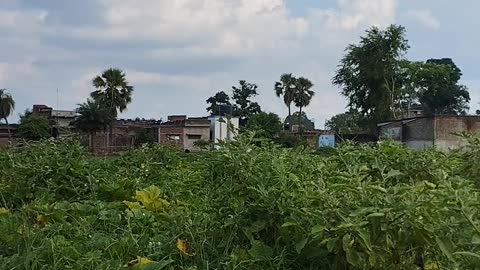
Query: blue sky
x,y
177,53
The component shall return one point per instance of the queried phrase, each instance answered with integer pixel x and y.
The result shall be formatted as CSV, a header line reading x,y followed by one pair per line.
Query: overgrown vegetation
x,y
240,207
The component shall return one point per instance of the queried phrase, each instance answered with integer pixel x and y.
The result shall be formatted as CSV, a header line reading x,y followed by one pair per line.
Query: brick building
x,y
184,132
437,131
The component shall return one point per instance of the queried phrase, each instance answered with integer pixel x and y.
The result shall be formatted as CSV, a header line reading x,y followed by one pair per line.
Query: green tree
x,y
244,107
347,123
144,136
307,124
371,75
267,125
112,91
7,105
303,96
216,101
33,128
435,86
93,117
286,88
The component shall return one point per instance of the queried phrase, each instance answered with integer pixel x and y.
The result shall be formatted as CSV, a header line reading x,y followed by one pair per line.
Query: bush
x,y
240,207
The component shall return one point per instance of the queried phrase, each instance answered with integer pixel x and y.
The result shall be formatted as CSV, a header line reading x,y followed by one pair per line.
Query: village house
x,y
439,131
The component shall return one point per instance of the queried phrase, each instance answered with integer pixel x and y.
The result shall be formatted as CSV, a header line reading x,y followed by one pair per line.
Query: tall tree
x,y
370,73
112,91
244,107
303,95
7,105
92,117
217,101
435,86
286,88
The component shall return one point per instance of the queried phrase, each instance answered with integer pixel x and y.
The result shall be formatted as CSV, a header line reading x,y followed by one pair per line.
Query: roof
x,y
410,119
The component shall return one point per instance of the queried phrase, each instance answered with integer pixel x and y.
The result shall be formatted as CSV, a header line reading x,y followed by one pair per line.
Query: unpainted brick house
x,y
183,132
439,131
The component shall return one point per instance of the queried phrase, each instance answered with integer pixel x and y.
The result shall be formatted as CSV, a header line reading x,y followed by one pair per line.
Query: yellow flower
x,y
185,248
139,261
4,211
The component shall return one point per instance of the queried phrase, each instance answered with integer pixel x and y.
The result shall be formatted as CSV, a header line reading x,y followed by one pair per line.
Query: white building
x,y
223,128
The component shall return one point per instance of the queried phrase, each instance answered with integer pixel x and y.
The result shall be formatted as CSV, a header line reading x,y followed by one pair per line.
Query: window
x,y
194,137
173,137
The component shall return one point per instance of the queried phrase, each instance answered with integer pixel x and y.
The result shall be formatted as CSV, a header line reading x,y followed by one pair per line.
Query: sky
x,y
177,53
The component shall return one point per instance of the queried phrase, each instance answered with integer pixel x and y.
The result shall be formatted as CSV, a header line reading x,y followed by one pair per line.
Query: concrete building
x,y
223,128
184,132
62,118
437,131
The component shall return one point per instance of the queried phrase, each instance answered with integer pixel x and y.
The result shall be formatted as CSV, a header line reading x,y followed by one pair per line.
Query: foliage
x,y
239,207
7,105
93,117
286,88
266,125
371,75
244,107
348,123
307,124
112,91
303,96
217,101
33,128
144,136
435,84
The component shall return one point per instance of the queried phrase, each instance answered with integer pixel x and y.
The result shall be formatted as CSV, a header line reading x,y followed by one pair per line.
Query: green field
x,y
246,206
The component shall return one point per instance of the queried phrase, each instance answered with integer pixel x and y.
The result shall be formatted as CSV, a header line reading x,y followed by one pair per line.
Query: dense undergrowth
x,y
242,207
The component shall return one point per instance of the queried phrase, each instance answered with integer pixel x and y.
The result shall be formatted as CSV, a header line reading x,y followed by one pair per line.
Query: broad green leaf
x,y
289,224
300,245
393,173
132,205
353,257
374,215
468,254
446,250
317,229
476,239
260,250
347,242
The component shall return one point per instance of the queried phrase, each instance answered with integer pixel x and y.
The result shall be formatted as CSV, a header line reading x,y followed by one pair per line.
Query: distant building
x,y
4,137
437,131
223,128
318,138
60,120
184,132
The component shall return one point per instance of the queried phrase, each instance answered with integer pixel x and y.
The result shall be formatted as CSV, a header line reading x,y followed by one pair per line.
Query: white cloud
x,y
22,21
25,70
354,14
425,18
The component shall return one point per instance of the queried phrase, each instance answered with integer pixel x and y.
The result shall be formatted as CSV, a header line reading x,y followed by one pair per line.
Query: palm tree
x,y
112,92
7,105
303,96
286,88
92,117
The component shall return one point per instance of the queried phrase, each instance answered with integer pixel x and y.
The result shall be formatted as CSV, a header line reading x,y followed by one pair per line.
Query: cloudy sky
x,y
177,53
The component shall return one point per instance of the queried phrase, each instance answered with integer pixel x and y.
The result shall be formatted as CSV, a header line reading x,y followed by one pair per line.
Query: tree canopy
x,y
435,85
112,91
347,123
217,101
33,128
93,117
7,105
370,73
266,125
243,105
286,88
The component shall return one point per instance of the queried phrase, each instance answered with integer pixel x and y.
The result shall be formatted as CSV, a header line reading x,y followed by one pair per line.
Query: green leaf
x,y
300,245
476,239
132,205
347,242
393,173
289,224
468,254
444,248
317,230
353,257
260,250
374,215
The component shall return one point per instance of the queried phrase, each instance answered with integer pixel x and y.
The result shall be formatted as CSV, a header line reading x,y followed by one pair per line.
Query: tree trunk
x,y
90,142
8,130
300,121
